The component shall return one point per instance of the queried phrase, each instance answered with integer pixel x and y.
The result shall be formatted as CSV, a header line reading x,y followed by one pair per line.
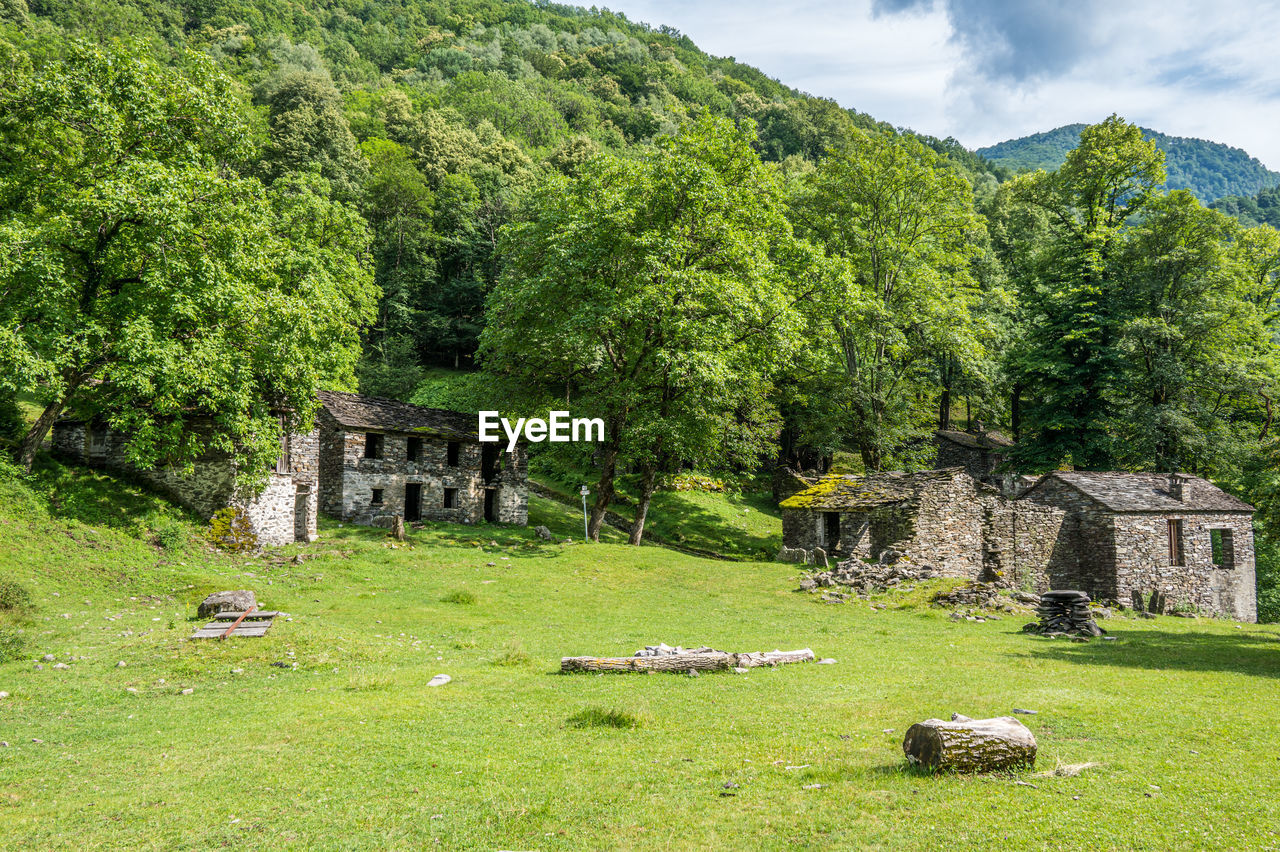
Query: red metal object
x,y
236,623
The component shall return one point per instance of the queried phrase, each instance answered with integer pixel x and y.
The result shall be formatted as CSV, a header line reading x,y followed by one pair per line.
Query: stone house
x,y
283,511
1122,535
1116,536
380,458
979,452
935,517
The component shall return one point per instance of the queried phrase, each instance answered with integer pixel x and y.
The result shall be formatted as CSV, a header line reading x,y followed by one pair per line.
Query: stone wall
x,y
1142,563
942,527
348,480
283,511
948,528
977,462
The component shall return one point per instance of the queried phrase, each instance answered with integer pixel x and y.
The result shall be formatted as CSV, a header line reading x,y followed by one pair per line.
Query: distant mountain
x,y
1211,170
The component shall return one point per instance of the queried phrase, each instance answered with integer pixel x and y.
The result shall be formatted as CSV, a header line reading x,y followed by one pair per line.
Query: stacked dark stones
x,y
1066,613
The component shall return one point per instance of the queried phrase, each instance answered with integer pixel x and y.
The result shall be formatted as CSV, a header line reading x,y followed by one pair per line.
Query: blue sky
x,y
987,70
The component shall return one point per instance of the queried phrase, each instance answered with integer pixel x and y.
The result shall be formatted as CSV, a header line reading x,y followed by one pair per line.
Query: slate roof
x,y
978,441
1148,492
859,492
374,414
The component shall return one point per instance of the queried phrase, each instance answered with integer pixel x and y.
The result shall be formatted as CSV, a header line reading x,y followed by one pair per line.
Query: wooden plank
x,y
252,614
236,623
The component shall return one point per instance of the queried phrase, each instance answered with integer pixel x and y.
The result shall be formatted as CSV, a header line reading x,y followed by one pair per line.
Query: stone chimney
x,y
977,427
1180,486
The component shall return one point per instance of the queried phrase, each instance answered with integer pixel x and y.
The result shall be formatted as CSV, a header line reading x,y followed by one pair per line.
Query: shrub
x,y
459,597
168,534
230,529
13,596
598,717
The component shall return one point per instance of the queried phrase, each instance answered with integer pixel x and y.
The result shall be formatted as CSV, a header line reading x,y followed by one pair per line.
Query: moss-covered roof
x,y
859,492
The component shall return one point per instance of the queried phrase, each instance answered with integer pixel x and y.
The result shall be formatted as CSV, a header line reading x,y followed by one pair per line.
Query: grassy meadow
x,y
324,734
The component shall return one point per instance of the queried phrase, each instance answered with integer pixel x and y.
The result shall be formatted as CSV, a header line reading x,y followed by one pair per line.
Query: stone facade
x,y
1112,535
980,453
934,518
381,458
283,511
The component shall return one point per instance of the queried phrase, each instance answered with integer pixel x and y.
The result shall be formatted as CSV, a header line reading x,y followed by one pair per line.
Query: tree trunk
x,y
708,662
36,434
944,409
970,745
1015,412
604,488
648,483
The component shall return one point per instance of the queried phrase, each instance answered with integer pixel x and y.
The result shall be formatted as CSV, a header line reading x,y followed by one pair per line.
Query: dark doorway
x,y
831,530
413,501
301,504
491,504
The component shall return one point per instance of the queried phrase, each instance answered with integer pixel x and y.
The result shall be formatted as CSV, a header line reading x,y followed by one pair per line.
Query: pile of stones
x,y
869,577
972,594
662,649
1064,613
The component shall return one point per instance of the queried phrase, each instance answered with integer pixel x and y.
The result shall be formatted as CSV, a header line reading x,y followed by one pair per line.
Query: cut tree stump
x,y
715,661
970,745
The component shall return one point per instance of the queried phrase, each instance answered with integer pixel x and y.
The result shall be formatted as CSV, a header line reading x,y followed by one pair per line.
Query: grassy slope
x,y
743,525
351,750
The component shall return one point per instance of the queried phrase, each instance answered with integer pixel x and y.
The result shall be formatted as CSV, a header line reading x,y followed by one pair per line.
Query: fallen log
x,y
970,745
705,662
775,658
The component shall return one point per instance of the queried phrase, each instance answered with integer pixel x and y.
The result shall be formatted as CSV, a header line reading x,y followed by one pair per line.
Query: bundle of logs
x,y
1065,613
970,745
663,658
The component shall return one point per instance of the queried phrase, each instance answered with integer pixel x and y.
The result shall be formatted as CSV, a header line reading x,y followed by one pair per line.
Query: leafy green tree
x,y
653,292
1196,354
400,209
307,131
141,279
899,229
1068,366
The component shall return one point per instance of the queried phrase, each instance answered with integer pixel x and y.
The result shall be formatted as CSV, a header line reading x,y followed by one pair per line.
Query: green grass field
x,y
325,735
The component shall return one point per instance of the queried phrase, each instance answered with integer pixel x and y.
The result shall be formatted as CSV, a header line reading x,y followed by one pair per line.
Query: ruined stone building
x,y
380,458
366,461
1116,536
283,511
979,452
935,516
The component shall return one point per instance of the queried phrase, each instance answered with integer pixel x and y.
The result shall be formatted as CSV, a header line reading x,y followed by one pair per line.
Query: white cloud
x,y
987,70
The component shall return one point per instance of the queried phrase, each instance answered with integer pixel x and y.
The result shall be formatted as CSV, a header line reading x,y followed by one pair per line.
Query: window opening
x,y
1175,542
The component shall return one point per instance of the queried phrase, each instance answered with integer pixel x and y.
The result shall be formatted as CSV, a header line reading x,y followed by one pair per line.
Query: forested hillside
x,y
1210,170
209,210
1260,209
